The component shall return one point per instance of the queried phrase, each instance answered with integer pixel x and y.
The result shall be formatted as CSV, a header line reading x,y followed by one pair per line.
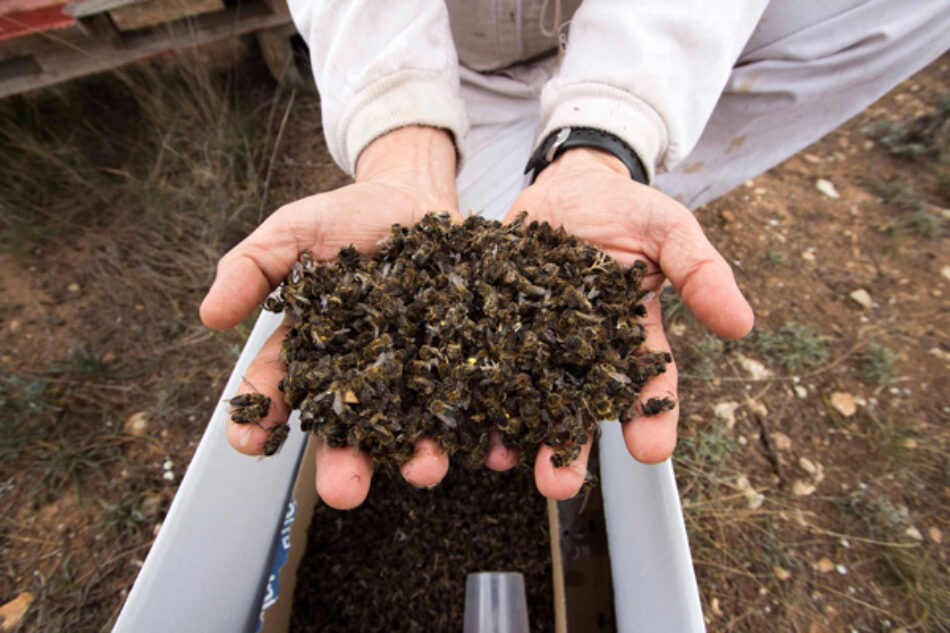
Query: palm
x,y
631,221
362,215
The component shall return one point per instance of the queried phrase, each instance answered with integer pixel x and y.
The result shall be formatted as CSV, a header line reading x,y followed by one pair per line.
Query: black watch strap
x,y
560,140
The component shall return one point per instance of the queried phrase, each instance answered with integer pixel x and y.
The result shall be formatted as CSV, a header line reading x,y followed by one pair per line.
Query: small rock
x,y
910,443
938,353
168,464
825,187
753,497
726,411
677,329
844,403
756,369
73,287
781,441
168,475
862,297
716,609
841,569
12,612
823,566
945,272
728,216
757,408
801,392
108,357
811,158
913,533
781,573
137,424
815,469
15,326
935,535
809,255
802,488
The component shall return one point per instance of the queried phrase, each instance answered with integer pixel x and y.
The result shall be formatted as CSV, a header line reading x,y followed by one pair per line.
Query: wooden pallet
x,y
47,42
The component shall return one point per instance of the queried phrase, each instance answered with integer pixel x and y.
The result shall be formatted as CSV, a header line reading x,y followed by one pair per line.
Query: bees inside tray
x,y
399,561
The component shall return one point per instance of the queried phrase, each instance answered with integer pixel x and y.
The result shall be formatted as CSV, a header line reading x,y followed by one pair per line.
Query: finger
x,y
262,375
427,466
564,482
702,277
500,457
252,269
651,439
343,475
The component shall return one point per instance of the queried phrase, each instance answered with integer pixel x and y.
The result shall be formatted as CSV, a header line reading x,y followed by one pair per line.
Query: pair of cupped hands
x,y
410,171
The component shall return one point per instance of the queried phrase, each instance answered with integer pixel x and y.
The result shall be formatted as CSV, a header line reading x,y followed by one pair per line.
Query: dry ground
x,y
119,193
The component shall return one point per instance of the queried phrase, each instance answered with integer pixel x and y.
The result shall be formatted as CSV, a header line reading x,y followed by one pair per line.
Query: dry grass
x,y
129,186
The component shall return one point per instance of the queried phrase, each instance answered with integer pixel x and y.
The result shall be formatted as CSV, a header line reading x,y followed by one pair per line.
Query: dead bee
x,y
445,412
454,331
249,407
656,406
602,406
274,303
277,436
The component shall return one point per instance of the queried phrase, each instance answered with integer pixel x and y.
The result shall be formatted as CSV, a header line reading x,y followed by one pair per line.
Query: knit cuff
x,y
603,107
409,97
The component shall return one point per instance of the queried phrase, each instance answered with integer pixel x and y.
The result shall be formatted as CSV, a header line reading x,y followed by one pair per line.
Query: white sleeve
x,y
381,65
648,72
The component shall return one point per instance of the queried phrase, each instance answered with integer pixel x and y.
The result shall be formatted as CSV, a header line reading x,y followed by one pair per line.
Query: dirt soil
x,y
812,463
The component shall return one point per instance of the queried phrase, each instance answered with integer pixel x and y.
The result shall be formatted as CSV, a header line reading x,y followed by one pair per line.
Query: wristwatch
x,y
568,137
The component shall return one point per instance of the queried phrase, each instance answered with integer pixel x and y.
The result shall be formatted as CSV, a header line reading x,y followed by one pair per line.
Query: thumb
x,y
252,269
703,278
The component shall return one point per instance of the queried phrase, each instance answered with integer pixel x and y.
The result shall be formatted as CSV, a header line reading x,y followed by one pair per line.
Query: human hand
x,y
591,195
399,178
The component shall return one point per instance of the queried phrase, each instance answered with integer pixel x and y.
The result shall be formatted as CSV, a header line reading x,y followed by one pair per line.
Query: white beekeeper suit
x,y
709,94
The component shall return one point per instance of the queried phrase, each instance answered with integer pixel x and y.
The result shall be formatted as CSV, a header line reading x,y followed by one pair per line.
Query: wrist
x,y
583,159
416,156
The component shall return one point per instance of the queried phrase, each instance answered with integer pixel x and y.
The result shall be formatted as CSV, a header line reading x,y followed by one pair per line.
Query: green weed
x,y
84,365
672,306
914,569
67,462
876,365
792,345
21,401
776,258
915,216
708,351
705,457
